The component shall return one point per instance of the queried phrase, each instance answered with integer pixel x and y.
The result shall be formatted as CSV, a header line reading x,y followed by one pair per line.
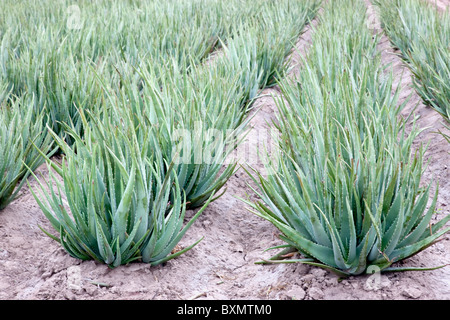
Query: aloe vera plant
x,y
422,33
120,206
181,111
19,138
346,191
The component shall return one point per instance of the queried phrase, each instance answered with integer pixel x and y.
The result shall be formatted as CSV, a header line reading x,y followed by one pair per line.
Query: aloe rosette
x,y
108,202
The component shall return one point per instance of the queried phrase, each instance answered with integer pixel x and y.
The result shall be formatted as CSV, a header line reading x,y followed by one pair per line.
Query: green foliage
x,y
121,205
345,190
21,133
423,36
54,49
154,123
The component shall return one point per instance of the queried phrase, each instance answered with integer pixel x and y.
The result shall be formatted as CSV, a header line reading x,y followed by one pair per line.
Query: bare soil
x,y
222,265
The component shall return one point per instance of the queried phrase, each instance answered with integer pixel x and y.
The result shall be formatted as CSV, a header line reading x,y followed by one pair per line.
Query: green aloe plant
x,y
20,135
345,190
182,108
111,202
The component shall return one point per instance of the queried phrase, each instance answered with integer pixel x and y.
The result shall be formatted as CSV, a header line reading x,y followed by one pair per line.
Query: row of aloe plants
x,y
345,189
422,34
51,56
123,185
55,49
54,54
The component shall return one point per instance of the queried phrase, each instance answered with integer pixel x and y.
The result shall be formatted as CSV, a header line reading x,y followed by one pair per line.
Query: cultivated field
x,y
241,70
